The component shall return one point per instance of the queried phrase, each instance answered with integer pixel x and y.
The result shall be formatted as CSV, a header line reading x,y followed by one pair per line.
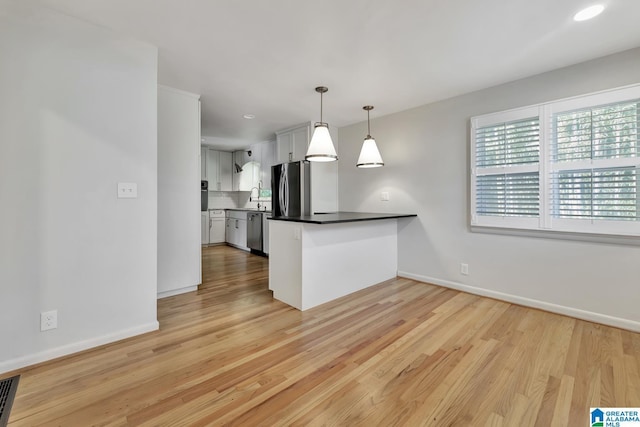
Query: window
x,y
507,157
570,165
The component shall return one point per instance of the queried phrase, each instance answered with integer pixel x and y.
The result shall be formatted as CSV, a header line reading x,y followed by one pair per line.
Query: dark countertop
x,y
246,210
338,217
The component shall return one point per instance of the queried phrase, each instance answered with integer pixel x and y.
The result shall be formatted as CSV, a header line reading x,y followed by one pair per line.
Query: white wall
x,y
324,179
178,191
426,152
77,116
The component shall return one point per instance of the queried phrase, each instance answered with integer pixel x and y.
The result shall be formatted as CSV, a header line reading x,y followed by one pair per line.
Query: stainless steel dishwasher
x,y
254,231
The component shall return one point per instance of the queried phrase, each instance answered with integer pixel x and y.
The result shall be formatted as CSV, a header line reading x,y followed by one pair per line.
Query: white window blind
x,y
571,166
506,159
606,138
603,132
508,144
606,194
508,195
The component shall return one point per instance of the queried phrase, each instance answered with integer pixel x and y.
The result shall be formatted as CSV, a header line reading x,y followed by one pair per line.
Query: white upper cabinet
x,y
226,171
283,148
216,167
300,142
213,169
292,143
203,163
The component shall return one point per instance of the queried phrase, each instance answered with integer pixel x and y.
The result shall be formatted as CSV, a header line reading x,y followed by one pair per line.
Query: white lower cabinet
x,y
241,234
265,234
204,228
229,230
217,226
236,229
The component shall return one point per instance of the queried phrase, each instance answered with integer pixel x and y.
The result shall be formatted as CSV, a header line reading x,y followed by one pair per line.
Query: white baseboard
x,y
173,292
590,316
53,353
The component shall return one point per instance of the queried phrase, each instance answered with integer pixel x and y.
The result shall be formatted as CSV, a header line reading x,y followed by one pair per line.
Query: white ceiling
x,y
265,57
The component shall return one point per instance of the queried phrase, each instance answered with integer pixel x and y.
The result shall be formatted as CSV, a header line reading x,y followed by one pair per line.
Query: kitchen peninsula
x,y
317,258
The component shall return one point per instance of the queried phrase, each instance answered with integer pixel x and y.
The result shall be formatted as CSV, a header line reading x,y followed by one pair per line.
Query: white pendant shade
x,y
321,147
369,155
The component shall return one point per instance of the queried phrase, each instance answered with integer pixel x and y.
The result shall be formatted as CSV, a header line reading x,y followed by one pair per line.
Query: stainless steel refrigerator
x,y
291,189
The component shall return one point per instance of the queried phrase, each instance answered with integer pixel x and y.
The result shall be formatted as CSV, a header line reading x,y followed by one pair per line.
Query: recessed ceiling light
x,y
249,116
588,13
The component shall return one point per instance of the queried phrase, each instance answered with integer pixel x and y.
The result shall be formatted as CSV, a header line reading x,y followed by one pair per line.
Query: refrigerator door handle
x,y
282,188
286,195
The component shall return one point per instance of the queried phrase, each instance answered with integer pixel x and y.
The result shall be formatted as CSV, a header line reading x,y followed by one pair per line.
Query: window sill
x,y
559,235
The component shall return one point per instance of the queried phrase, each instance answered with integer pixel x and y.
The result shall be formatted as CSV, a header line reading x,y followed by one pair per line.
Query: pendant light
x,y
369,155
321,147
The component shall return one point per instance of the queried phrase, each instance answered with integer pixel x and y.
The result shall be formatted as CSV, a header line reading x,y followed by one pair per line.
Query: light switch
x,y
384,196
127,190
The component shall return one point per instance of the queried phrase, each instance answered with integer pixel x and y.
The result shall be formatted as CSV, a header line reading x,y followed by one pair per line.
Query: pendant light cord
x,y
321,107
368,125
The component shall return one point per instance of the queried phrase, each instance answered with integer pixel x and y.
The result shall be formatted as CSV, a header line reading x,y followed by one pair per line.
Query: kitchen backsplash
x,y
234,199
223,199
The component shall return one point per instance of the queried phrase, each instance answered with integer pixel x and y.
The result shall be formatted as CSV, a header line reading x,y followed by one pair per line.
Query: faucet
x,y
251,192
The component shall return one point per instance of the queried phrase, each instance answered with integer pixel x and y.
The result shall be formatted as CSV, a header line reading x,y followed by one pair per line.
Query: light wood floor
x,y
400,353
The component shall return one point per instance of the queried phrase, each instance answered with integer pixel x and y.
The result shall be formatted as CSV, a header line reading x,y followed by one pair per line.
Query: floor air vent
x,y
8,389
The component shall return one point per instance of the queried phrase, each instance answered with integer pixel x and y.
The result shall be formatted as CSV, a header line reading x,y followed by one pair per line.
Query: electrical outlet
x,y
127,190
48,320
464,269
384,196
